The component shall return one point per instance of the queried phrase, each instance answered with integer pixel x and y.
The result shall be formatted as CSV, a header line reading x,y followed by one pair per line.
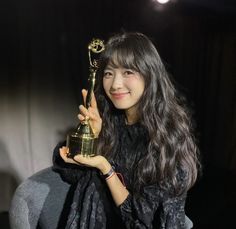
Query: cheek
x,y
106,86
135,83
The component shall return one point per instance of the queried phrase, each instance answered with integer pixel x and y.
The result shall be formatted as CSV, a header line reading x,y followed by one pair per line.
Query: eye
x,y
107,74
128,73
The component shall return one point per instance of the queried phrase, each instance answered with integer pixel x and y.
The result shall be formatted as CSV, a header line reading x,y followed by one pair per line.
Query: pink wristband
x,y
110,176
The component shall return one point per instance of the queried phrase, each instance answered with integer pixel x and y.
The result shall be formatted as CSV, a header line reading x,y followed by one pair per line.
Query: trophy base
x,y
83,146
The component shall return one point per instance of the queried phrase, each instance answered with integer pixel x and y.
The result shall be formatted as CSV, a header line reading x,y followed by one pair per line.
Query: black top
x,y
92,205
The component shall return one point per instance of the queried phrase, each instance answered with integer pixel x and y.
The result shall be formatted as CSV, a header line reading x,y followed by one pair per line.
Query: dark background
x,y
196,40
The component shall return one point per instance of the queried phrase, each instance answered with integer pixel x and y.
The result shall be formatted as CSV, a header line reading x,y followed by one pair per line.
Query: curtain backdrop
x,y
45,65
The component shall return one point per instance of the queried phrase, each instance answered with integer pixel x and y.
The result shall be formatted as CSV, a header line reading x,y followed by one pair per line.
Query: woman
x,y
147,157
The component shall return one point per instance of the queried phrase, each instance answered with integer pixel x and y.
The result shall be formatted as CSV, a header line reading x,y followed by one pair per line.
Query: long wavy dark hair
x,y
162,112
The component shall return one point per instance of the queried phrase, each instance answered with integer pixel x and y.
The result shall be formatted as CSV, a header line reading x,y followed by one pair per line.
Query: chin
x,y
120,106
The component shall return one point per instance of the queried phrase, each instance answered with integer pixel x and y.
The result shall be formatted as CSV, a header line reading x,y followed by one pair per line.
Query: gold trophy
x,y
83,140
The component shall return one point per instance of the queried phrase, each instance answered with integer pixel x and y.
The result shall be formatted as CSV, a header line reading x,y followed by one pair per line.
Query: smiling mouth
x,y
119,95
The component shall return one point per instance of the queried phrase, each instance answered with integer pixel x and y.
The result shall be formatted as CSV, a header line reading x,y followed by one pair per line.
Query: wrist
x,y
108,175
105,166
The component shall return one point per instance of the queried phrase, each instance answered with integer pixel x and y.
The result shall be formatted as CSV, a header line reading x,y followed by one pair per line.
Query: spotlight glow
x,y
163,1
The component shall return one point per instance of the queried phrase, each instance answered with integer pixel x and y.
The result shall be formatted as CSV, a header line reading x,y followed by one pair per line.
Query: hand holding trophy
x,y
83,140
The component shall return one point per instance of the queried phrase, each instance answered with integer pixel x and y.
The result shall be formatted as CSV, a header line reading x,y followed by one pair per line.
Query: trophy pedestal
x,y
82,141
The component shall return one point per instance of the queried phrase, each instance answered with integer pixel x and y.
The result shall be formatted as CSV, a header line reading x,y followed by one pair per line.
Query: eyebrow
x,y
108,68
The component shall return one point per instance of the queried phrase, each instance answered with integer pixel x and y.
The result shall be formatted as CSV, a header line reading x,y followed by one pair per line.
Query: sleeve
x,y
137,211
173,213
173,205
156,207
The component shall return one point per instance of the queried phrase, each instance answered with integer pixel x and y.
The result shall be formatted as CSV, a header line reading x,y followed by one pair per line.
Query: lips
x,y
119,95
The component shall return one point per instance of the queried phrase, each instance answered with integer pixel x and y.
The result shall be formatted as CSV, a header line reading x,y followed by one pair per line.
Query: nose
x,y
117,82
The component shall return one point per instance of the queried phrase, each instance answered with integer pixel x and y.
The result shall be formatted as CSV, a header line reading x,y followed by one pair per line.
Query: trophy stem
x,y
91,87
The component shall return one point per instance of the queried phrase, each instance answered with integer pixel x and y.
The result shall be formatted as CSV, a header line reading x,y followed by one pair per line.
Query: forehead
x,y
111,65
119,59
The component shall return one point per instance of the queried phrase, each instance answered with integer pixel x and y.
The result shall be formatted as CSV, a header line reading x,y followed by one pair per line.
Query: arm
x,y
118,191
153,208
156,207
135,212
174,213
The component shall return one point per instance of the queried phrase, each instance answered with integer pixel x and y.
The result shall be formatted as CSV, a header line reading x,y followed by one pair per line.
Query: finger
x,y
84,159
64,150
94,115
81,117
84,94
84,111
95,111
80,159
91,113
63,153
77,162
93,101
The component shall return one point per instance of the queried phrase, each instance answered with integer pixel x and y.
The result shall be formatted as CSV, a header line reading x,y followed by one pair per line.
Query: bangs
x,y
122,57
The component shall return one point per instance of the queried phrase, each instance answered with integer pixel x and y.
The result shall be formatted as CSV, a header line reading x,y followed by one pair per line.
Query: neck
x,y
131,117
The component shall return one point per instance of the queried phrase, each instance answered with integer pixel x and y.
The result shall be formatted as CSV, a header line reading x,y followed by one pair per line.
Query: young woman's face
x,y
124,87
